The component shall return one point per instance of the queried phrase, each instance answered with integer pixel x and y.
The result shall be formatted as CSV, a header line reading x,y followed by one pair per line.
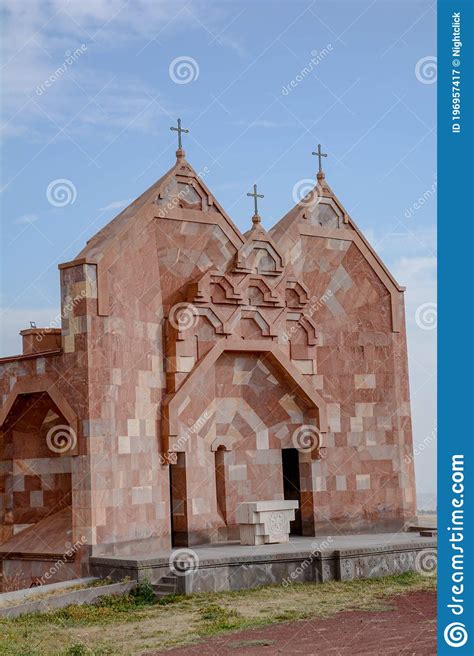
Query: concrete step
x,y
159,594
167,585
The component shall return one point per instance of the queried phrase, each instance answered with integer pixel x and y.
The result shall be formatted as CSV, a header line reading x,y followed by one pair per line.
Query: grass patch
x,y
132,624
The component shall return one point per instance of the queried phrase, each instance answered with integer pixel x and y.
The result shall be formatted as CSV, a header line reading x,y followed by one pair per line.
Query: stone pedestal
x,y
265,522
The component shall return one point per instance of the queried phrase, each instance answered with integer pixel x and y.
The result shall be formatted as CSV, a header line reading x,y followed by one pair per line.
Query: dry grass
x,y
131,625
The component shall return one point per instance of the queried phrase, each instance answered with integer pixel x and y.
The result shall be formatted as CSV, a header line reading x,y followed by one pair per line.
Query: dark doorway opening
x,y
291,485
219,469
178,505
171,506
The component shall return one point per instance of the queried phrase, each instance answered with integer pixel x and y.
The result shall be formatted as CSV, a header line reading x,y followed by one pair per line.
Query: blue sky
x,y
90,91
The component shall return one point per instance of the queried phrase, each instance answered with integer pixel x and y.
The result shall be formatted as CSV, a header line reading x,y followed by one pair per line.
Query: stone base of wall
x,y
19,573
221,567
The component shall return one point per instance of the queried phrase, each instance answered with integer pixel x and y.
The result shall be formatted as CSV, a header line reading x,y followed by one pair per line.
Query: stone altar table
x,y
265,522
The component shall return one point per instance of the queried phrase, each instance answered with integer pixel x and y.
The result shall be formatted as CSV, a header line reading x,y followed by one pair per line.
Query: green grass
x,y
134,623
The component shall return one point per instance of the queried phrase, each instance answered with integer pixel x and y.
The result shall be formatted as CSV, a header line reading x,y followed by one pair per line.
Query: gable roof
x,y
322,192
102,247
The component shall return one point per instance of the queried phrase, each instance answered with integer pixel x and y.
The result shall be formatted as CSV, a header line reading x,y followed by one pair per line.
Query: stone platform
x,y
231,566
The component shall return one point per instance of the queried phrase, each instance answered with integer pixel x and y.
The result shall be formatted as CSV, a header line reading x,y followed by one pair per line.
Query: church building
x,y
196,368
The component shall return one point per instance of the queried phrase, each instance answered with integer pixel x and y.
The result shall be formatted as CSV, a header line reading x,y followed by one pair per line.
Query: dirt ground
x,y
409,629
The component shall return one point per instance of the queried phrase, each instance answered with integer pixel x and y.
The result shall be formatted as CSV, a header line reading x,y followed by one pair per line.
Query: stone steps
x,y
167,585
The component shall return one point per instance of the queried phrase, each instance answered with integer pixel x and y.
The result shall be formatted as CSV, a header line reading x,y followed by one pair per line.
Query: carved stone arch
x,y
225,443
232,295
324,212
192,312
249,312
47,386
310,327
269,295
173,403
300,291
250,259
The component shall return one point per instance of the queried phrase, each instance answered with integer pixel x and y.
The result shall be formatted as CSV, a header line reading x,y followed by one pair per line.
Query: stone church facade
x,y
195,368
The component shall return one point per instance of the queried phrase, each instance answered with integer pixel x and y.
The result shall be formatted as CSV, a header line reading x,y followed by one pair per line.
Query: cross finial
x,y
256,217
319,154
179,130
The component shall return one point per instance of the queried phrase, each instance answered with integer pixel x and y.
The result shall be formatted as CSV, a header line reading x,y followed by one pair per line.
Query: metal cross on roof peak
x,y
319,154
179,130
255,196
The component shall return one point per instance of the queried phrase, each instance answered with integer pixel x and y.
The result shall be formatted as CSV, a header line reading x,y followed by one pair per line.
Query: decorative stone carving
x,y
265,522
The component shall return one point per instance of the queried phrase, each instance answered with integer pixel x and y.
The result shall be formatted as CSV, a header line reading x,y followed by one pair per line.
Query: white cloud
x,y
39,35
116,205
